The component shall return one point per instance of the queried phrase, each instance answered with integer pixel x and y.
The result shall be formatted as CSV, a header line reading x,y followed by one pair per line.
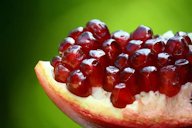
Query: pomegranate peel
x,y
152,109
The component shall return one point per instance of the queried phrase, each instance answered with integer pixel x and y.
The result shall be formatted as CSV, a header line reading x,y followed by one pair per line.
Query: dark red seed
x,y
121,37
132,46
93,70
128,76
141,58
56,60
185,36
164,59
61,73
122,61
100,56
156,45
112,49
66,44
73,56
189,57
177,46
111,78
142,33
121,96
99,30
149,79
183,68
78,84
169,79
76,32
87,41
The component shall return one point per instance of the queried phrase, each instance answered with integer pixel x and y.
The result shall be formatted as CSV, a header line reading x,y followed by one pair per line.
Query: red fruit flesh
x,y
73,56
78,84
164,59
132,46
76,32
169,79
111,78
99,30
149,79
61,73
185,36
56,60
121,96
122,61
142,33
66,44
121,37
156,45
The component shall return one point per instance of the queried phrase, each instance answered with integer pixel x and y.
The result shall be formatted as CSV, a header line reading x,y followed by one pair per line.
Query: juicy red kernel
x,y
75,33
121,37
93,70
156,45
61,73
189,57
169,80
111,78
128,76
141,58
121,96
183,68
65,44
73,56
112,49
149,79
100,56
132,46
122,61
56,60
78,84
87,41
177,46
99,30
164,59
142,33
185,36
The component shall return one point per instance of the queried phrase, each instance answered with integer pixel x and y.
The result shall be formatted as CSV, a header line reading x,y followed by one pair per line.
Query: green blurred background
x,y
32,29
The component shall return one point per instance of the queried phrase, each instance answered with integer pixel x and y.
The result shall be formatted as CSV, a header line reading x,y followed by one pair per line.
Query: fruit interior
x,y
124,64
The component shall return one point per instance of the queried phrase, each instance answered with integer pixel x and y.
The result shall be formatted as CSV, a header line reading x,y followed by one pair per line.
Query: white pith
x,y
151,105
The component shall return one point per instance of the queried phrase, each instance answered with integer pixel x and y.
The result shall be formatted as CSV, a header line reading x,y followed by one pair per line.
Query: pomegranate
x,y
104,80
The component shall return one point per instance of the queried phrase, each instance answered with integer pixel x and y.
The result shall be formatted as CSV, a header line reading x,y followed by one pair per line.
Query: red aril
x,y
75,33
64,45
185,36
56,60
122,61
61,73
132,46
156,45
164,59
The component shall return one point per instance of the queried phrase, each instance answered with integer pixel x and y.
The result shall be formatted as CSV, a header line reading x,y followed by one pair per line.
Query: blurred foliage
x,y
32,29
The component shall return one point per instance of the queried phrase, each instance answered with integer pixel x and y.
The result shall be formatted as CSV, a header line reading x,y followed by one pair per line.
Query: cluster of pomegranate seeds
x,y
121,63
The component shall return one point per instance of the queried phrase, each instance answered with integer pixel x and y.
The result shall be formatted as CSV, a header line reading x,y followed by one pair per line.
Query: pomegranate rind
x,y
90,112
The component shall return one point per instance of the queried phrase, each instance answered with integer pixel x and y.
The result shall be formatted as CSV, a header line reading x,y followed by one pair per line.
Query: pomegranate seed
x,y
75,33
132,46
100,56
128,76
61,73
111,78
56,60
149,79
121,96
141,58
122,61
164,59
78,84
156,45
169,79
177,46
73,56
142,33
66,44
93,70
185,36
121,37
99,30
87,41
112,49
183,68
189,57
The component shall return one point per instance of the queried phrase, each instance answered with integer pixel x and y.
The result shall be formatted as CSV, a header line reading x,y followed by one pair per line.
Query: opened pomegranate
x,y
121,80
